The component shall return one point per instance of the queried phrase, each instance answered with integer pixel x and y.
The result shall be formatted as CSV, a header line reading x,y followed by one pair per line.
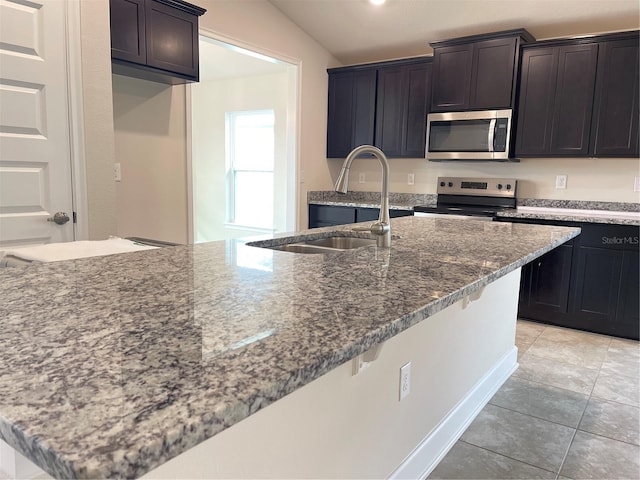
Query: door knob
x,y
59,218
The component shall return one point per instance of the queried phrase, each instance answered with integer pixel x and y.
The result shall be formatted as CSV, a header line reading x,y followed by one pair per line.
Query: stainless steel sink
x,y
328,244
341,243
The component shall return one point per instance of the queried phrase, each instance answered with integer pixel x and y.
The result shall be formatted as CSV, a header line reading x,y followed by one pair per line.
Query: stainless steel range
x,y
471,198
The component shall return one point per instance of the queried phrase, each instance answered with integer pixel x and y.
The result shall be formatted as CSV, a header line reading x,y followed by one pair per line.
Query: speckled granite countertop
x,y
112,365
573,215
619,213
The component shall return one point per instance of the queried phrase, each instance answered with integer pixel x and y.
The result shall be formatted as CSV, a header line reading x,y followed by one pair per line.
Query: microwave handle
x,y
490,135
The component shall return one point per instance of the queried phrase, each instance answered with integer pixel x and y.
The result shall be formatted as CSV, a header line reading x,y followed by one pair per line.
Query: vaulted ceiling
x,y
355,31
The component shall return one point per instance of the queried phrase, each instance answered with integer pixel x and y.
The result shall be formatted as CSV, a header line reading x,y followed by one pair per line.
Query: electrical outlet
x,y
361,178
636,184
405,381
561,181
117,172
411,179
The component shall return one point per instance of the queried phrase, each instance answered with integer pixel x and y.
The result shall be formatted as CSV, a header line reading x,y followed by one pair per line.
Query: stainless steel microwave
x,y
482,135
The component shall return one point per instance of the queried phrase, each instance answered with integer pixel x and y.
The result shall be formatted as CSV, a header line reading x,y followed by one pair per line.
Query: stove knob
x,y
499,186
451,184
508,186
442,184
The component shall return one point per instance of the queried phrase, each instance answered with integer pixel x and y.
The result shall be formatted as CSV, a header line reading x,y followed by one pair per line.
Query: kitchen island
x,y
123,365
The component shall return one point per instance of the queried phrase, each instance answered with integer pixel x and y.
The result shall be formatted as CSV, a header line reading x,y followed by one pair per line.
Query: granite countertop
x,y
574,215
619,213
112,365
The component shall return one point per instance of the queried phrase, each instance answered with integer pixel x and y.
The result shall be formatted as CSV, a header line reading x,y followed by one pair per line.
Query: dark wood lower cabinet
x,y
329,215
591,283
547,281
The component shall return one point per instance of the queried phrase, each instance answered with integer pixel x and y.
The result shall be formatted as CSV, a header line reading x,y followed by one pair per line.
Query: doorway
x,y
243,143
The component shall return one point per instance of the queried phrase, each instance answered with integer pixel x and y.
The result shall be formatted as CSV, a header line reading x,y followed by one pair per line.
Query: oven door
x,y
481,135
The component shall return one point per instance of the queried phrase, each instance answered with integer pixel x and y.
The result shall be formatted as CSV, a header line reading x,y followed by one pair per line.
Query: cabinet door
x,y
391,109
367,214
451,78
492,74
351,111
596,289
535,106
550,277
172,39
401,110
628,309
615,115
573,105
128,30
419,78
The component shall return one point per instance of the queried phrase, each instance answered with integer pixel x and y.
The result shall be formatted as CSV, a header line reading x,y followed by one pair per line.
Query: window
x,y
250,161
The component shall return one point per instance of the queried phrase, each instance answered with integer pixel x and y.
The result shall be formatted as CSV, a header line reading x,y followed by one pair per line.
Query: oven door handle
x,y
490,135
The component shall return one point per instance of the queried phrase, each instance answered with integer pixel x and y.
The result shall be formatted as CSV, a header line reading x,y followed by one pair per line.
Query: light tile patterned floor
x,y
570,411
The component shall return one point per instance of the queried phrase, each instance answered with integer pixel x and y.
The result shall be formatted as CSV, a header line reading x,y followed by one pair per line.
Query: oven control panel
x,y
488,187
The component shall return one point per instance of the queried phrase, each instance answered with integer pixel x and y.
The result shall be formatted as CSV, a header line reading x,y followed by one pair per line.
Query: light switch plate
x,y
411,179
636,184
117,172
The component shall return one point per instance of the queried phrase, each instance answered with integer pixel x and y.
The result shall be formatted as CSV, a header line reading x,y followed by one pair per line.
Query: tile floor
x,y
570,411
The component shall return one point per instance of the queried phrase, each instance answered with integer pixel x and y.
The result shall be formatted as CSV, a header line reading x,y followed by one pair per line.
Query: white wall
x,y
98,118
598,179
259,24
150,138
211,101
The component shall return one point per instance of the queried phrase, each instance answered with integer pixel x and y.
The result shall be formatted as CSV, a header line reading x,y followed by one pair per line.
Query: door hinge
x,y
75,218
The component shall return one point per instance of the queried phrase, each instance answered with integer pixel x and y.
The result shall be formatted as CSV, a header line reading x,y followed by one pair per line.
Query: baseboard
x,y
432,449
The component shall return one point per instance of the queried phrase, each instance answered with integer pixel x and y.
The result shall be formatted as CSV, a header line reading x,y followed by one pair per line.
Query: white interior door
x,y
35,146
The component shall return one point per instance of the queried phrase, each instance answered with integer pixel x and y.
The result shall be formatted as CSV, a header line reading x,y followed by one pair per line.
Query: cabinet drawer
x,y
330,215
613,237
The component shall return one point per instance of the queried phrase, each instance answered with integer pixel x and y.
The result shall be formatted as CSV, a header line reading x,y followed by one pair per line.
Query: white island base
x,y
343,425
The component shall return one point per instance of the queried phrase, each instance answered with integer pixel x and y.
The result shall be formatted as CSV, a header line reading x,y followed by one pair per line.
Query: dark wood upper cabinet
x,y
476,73
383,104
537,93
351,110
128,39
573,103
155,40
579,98
451,78
615,114
401,109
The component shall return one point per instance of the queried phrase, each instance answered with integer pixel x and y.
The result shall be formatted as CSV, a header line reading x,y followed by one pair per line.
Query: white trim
x,y
189,139
76,121
247,46
293,163
426,456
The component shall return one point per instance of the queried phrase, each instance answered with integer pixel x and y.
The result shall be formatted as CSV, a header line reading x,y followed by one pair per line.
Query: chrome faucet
x,y
382,228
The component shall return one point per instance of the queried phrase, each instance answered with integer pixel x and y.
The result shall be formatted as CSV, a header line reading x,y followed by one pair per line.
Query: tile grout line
x,y
566,454
507,456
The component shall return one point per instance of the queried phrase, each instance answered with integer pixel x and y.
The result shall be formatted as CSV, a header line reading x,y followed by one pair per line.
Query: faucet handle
x,y
363,229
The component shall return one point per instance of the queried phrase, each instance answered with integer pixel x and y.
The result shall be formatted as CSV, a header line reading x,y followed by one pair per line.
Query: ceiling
x,y
355,31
